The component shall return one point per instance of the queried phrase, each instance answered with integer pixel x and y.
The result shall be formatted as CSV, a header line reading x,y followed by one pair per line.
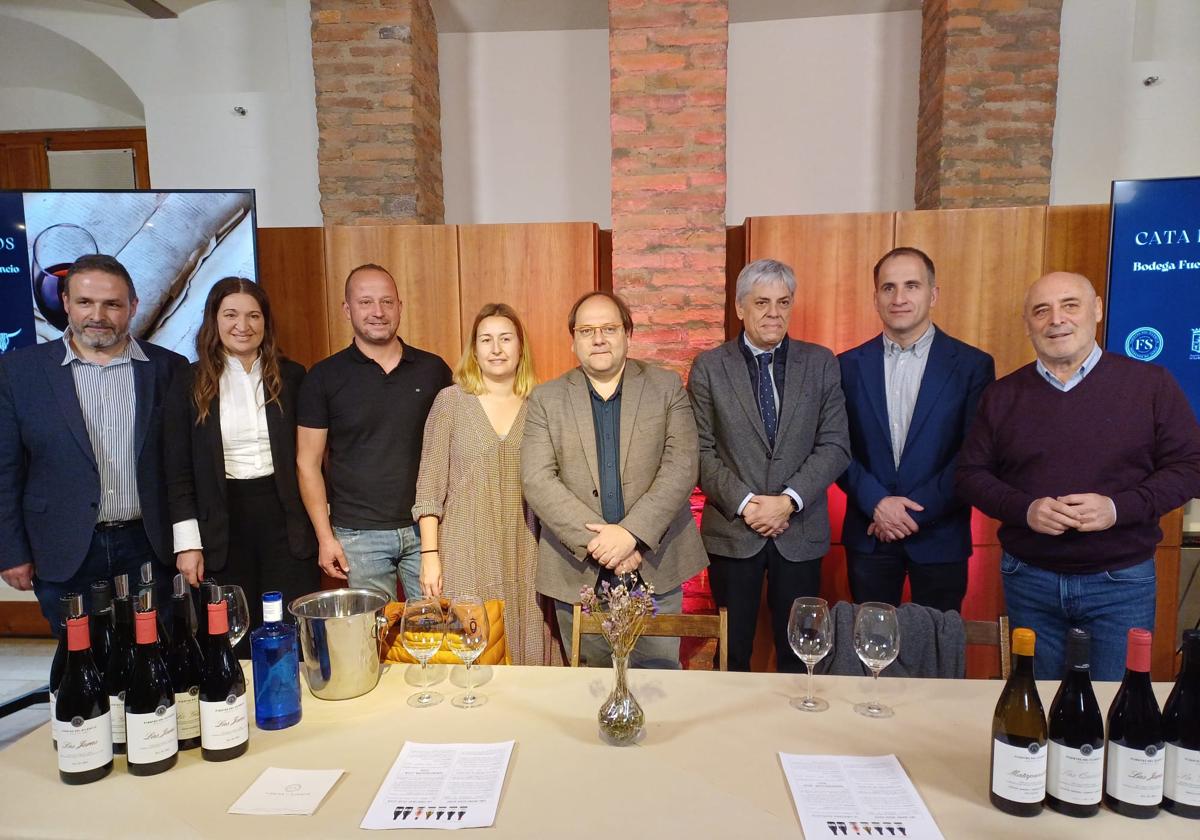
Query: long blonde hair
x,y
467,374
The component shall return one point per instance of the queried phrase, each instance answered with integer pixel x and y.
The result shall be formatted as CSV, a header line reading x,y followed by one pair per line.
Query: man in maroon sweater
x,y
1078,455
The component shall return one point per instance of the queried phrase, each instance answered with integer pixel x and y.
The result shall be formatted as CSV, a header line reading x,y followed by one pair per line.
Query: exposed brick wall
x,y
667,64
989,88
378,111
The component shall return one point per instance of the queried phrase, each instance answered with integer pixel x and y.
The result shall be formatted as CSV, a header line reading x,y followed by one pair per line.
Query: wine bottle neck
x,y
1022,666
1136,679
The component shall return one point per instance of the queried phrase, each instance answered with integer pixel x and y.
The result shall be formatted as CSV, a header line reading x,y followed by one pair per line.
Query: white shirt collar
x,y
919,347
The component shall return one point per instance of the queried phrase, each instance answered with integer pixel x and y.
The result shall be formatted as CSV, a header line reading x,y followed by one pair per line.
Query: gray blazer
x,y
658,474
812,447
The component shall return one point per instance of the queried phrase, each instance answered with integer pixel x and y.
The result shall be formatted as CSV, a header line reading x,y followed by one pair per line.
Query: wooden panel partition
x,y
291,267
539,270
424,261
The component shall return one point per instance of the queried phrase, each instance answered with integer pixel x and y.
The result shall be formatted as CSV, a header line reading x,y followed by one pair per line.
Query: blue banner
x,y
1154,277
16,308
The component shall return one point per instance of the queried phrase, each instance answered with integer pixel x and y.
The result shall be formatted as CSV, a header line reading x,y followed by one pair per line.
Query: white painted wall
x,y
525,133
188,74
1110,125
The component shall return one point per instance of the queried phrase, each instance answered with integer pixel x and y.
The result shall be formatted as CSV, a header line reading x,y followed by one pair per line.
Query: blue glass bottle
x,y
274,653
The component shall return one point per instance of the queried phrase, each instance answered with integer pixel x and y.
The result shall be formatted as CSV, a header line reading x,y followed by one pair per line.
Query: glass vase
x,y
621,718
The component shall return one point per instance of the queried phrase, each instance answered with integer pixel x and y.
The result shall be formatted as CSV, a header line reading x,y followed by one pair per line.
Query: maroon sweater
x,y
1126,431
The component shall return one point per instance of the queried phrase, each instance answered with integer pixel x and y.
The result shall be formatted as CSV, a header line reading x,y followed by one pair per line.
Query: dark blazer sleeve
x,y
937,495
14,545
863,488
178,428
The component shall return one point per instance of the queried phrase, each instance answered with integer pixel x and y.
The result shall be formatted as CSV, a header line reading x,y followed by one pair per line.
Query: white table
x,y
707,767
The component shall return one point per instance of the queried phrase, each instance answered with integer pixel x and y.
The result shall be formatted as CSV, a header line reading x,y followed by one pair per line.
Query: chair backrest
x,y
692,625
995,634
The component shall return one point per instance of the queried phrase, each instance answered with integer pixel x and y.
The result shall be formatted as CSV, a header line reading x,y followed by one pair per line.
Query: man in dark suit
x,y
911,392
772,425
82,496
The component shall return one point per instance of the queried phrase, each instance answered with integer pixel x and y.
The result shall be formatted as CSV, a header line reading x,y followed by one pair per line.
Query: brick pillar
x,y
668,60
378,111
989,87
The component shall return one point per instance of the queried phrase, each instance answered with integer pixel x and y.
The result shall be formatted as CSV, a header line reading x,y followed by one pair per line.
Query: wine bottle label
x,y
152,736
1019,773
116,707
84,743
224,723
1182,782
187,713
1075,776
1136,776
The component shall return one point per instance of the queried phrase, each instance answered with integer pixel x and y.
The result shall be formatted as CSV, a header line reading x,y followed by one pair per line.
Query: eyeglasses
x,y
606,330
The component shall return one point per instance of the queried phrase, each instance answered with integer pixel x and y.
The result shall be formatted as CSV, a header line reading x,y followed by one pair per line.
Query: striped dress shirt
x,y
108,401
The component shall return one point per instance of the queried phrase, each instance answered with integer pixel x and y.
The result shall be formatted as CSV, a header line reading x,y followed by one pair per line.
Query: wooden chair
x,y
994,634
704,626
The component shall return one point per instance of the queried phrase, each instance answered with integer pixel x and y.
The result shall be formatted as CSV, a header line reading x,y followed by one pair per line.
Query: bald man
x,y
1078,455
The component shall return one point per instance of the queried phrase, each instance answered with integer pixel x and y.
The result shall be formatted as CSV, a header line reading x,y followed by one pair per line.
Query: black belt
x,y
117,526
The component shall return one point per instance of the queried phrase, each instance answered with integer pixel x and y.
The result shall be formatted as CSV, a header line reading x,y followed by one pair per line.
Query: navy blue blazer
x,y
955,376
49,483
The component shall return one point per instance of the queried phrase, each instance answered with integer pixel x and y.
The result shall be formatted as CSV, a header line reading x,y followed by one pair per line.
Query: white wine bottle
x,y
1018,779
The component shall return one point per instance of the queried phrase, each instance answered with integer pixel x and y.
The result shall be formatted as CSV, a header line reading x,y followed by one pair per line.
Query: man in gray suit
x,y
772,424
608,463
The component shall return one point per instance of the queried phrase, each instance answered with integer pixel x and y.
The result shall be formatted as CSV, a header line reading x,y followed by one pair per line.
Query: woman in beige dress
x,y
477,535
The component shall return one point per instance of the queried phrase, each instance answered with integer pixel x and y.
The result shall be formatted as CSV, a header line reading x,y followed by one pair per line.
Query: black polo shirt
x,y
376,423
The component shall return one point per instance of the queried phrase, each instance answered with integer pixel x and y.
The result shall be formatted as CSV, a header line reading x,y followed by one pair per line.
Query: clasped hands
x,y
891,521
1078,511
614,548
768,515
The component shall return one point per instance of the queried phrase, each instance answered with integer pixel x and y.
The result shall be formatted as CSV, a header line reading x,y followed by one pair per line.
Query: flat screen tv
x,y
175,243
1154,277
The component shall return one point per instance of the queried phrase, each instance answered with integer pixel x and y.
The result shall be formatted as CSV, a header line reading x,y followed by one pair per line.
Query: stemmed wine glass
x,y
422,628
466,637
238,611
877,643
810,633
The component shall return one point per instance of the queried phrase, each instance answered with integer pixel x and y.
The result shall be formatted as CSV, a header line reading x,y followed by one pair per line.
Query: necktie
x,y
766,397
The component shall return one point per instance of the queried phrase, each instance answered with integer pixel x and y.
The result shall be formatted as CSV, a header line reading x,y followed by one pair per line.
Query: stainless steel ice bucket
x,y
339,634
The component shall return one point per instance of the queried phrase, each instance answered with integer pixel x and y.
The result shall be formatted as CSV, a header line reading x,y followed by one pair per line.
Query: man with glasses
x,y
608,464
772,426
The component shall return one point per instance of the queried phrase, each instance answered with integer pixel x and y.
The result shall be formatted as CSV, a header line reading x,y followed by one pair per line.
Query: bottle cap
x,y
218,619
78,635
179,586
121,586
1079,645
70,606
1022,641
1137,654
147,573
101,596
147,600
146,627
273,606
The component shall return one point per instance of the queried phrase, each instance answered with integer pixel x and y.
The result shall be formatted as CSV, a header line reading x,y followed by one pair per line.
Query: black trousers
x,y
880,577
259,559
737,586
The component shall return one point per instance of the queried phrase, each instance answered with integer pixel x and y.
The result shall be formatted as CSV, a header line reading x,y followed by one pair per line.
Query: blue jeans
x,y
376,558
116,552
1106,604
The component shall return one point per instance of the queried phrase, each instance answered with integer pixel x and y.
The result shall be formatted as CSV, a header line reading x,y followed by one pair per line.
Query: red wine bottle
x,y
1181,732
100,625
1018,780
1075,751
146,590
120,660
82,722
66,606
224,722
150,731
186,666
1134,757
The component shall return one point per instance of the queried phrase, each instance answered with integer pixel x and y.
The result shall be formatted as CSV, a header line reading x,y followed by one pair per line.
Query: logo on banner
x,y
5,338
1144,344
1195,343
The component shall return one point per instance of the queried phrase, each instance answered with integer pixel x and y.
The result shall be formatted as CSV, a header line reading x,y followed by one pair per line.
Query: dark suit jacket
x,y
811,447
955,376
195,462
49,483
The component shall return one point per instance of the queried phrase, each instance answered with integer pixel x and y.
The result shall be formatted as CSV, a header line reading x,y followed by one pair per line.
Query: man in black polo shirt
x,y
368,405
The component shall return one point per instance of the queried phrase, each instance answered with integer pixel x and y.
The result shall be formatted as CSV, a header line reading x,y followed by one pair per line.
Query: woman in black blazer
x,y
230,456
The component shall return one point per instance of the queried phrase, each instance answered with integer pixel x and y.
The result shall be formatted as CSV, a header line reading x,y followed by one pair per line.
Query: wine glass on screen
x,y
238,611
422,629
466,637
877,643
54,249
810,633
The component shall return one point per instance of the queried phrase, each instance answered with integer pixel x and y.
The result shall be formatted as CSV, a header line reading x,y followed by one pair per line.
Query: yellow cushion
x,y
496,653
